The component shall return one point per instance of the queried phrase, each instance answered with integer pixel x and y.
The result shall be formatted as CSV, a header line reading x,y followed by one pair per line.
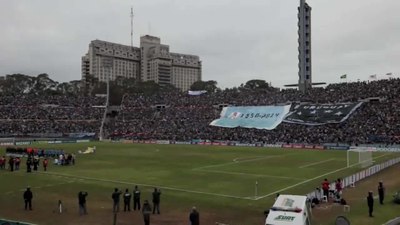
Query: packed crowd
x,y
31,115
178,116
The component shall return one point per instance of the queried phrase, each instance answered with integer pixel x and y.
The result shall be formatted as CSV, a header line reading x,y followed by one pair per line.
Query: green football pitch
x,y
236,183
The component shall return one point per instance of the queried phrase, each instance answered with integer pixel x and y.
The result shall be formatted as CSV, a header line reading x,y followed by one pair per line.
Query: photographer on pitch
x,y
116,197
82,202
156,200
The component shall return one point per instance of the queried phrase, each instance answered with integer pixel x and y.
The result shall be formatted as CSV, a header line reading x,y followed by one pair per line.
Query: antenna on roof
x,y
131,26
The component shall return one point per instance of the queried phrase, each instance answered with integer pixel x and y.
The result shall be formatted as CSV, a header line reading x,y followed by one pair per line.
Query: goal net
x,y
360,157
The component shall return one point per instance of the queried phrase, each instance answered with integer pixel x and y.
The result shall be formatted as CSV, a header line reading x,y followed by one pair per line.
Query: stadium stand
x,y
28,115
178,116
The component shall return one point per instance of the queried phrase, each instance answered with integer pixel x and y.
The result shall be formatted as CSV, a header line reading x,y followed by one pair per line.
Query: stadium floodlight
x,y
359,156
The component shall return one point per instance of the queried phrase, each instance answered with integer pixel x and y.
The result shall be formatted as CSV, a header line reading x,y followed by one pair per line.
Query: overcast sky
x,y
237,40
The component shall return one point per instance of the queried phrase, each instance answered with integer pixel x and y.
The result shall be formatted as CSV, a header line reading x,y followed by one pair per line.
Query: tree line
x,y
42,84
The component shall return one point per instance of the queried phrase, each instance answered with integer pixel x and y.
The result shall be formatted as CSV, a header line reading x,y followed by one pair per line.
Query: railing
x,y
352,179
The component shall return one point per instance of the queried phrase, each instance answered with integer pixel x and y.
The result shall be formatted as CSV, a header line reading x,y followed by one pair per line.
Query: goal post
x,y
361,157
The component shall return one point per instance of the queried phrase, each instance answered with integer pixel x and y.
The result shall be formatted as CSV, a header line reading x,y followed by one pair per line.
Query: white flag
x,y
197,92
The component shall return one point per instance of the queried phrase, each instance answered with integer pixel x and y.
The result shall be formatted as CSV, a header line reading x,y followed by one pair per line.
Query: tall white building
x,y
152,61
109,60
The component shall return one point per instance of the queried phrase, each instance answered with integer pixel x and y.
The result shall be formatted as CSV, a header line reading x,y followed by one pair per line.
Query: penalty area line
x,y
306,181
83,178
236,161
251,174
315,163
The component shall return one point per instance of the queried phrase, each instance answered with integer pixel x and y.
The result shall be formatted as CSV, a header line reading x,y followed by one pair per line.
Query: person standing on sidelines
x,y
11,163
146,210
338,186
381,192
17,162
370,202
82,202
116,196
136,198
45,163
325,188
28,195
194,217
29,164
127,200
156,200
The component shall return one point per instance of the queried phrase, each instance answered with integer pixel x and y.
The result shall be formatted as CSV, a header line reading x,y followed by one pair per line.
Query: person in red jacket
x,y
338,186
45,163
2,162
325,188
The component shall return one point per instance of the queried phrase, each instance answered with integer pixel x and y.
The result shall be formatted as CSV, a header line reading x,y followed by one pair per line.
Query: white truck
x,y
290,210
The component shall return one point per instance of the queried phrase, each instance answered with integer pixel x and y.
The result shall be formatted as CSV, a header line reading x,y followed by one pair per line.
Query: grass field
x,y
220,181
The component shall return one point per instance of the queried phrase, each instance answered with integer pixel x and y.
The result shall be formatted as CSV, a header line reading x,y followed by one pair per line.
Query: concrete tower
x,y
305,69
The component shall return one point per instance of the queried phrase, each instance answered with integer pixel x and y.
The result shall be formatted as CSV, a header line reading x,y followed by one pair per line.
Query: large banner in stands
x,y
273,145
260,117
22,143
181,142
319,114
82,135
162,142
6,143
333,146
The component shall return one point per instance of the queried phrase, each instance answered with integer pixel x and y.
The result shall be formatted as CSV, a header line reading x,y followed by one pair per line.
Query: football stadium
x,y
232,175
141,138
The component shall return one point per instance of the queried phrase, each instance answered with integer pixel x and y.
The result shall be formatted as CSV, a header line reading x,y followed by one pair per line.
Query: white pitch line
x,y
146,185
250,174
315,163
306,181
237,162
40,187
238,159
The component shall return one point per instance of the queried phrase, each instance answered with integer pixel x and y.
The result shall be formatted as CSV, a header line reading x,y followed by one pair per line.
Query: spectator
x,y
146,210
156,200
28,198
127,200
370,203
82,202
136,198
116,197
381,192
194,217
338,186
325,188
45,163
11,163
